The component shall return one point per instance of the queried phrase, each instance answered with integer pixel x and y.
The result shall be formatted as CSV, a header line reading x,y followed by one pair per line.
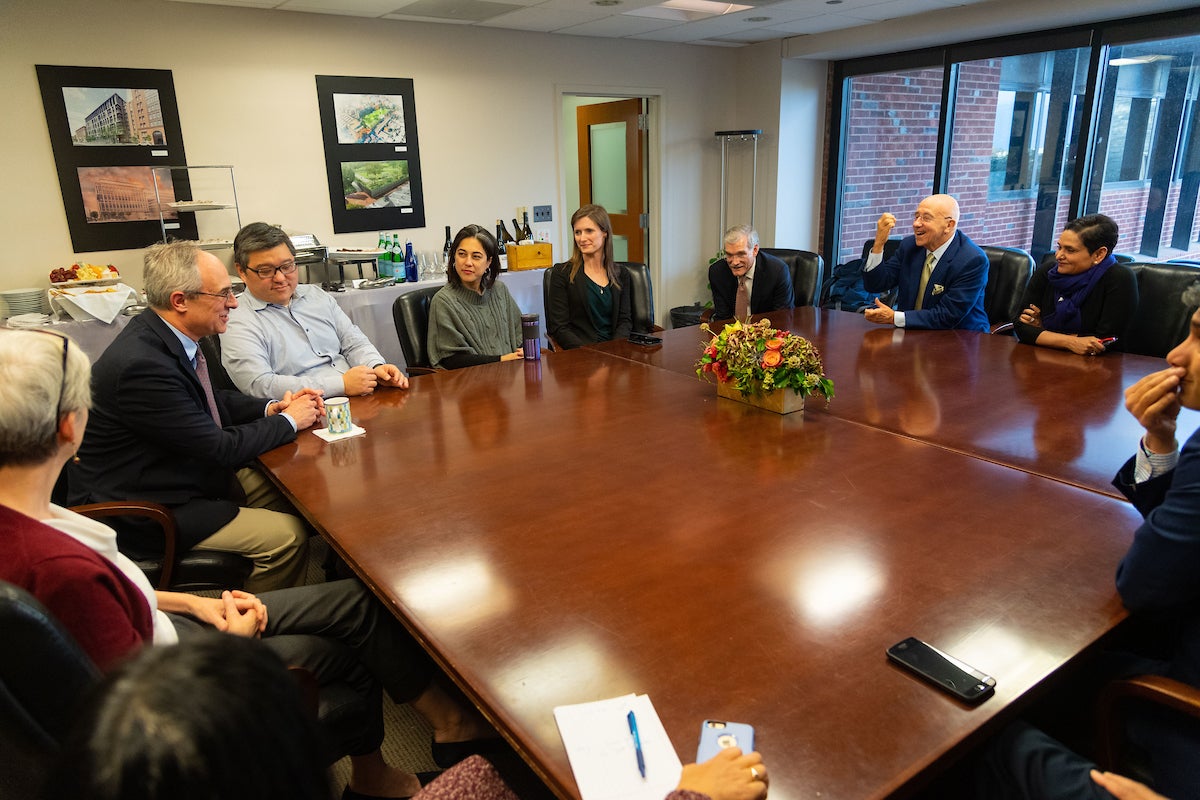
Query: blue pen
x,y
637,743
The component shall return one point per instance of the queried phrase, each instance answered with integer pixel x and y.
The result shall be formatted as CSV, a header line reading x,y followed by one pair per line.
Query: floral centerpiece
x,y
759,361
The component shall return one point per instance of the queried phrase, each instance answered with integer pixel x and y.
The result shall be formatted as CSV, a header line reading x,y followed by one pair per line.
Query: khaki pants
x,y
268,532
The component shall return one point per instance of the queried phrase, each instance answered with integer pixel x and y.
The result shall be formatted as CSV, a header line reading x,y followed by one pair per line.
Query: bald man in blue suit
x,y
949,296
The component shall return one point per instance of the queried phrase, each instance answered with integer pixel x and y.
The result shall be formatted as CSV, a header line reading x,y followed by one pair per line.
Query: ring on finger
x,y
754,776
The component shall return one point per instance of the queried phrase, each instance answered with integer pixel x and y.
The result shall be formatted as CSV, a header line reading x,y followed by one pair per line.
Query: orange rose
x,y
771,358
774,344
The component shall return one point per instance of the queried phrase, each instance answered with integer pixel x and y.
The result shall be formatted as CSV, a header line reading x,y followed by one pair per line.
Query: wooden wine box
x,y
529,256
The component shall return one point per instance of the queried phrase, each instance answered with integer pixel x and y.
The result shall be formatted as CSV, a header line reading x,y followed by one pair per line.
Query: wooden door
x,y
612,170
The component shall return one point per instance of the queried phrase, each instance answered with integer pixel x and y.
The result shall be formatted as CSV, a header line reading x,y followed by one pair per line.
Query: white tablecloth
x,y
371,309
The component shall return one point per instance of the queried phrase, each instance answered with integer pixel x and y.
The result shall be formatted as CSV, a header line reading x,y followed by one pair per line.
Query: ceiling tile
x,y
540,18
619,25
457,11
346,8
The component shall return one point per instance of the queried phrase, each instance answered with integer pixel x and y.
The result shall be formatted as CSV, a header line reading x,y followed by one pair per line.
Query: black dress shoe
x,y
425,779
447,754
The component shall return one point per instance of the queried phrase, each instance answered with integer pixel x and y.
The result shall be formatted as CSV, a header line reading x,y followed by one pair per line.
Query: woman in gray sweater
x,y
473,319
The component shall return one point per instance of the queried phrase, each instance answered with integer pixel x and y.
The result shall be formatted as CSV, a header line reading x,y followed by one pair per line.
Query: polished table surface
x,y
584,527
1048,412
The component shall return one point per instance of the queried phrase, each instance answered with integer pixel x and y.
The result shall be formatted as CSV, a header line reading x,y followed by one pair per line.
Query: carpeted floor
x,y
406,734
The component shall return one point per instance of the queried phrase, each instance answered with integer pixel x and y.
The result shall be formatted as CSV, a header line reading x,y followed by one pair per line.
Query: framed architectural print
x,y
372,155
108,127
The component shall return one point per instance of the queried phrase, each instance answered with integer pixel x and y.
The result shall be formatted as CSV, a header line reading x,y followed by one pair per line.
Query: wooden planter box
x,y
781,401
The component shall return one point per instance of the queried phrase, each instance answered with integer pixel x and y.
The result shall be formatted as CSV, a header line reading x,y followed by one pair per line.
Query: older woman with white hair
x,y
72,565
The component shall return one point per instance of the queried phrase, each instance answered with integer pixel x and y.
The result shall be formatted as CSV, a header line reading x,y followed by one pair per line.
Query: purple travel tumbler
x,y
531,330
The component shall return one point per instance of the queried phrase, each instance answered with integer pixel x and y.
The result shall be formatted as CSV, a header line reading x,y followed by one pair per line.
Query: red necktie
x,y
206,385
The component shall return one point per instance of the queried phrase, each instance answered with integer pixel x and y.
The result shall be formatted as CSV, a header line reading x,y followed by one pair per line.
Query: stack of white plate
x,y
29,321
22,301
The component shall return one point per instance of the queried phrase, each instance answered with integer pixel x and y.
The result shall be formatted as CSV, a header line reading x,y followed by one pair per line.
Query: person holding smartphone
x,y
1083,300
589,295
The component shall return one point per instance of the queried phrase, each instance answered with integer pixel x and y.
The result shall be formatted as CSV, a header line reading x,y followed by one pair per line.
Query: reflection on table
x,y
586,526
1047,412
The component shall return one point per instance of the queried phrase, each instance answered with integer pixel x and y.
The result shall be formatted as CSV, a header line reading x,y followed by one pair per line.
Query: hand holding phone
x,y
716,735
942,670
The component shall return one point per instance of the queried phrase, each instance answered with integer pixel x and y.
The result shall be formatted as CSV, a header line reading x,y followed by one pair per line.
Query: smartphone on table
x,y
942,670
717,735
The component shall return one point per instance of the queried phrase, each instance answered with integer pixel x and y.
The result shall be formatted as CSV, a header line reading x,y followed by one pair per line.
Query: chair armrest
x,y
414,371
137,508
1155,689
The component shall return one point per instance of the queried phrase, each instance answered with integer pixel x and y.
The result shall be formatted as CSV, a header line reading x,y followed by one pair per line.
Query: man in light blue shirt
x,y
284,336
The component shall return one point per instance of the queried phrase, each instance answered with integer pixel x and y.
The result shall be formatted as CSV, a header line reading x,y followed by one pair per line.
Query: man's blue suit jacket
x,y
961,274
150,437
1159,578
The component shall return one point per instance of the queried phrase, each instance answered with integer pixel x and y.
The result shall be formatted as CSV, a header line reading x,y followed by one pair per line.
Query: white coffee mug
x,y
337,412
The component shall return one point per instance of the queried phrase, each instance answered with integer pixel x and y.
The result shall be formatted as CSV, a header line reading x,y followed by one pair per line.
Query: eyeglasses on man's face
x,y
226,294
927,218
266,273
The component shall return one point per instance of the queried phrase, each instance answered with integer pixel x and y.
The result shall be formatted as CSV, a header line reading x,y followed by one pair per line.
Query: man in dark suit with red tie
x,y
158,431
938,272
747,281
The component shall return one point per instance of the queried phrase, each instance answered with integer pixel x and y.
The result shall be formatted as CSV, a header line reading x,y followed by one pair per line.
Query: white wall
x,y
487,116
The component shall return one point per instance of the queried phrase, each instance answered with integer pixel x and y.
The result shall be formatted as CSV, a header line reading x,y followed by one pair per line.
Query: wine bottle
x,y
446,247
410,264
398,259
502,237
527,232
517,229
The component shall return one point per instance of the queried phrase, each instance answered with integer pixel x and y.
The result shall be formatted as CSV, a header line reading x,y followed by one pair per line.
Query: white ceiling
x,y
766,19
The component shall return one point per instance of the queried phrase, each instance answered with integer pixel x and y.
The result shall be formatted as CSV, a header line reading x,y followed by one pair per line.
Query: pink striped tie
x,y
206,385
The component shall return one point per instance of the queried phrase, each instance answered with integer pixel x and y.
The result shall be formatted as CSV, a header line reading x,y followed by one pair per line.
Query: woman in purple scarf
x,y
1084,300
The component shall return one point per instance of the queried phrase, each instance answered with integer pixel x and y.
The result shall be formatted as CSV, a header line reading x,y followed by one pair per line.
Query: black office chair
x,y
551,344
190,571
1163,318
1154,692
807,270
889,248
1009,270
44,677
641,297
411,314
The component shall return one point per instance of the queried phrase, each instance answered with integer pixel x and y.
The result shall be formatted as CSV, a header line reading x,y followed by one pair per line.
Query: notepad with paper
x,y
600,748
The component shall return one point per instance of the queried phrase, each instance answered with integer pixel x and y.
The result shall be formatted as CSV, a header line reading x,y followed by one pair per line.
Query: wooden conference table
x,y
1043,411
587,526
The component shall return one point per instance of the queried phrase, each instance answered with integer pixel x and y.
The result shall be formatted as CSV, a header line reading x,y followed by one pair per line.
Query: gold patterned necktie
x,y
925,273
741,303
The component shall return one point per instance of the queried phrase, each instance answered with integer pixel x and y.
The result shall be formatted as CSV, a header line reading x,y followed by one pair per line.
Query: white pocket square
x,y
938,289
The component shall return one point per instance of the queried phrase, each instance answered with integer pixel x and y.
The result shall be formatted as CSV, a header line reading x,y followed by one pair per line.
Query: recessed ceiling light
x,y
758,19
833,2
606,2
687,10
